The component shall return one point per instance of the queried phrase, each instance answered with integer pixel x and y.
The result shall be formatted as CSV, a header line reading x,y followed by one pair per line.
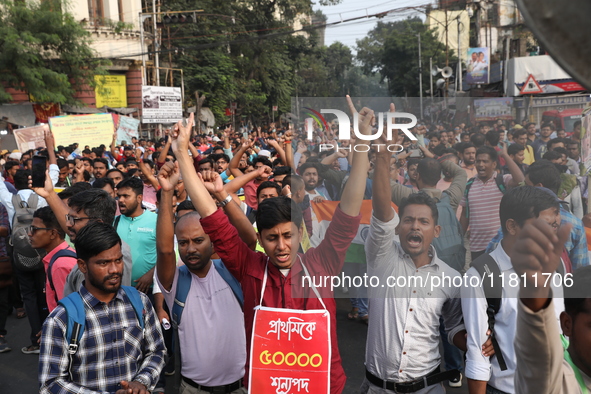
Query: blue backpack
x,y
57,255
184,284
74,306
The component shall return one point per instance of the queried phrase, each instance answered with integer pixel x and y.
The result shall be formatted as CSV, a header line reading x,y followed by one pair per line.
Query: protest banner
x,y
290,351
29,138
128,129
92,130
161,104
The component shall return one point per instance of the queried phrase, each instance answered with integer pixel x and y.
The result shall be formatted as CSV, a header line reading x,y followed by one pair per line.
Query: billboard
x,y
161,104
478,66
110,90
493,109
547,73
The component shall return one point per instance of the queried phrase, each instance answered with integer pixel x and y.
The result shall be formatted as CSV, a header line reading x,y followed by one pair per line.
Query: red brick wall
x,y
85,94
18,96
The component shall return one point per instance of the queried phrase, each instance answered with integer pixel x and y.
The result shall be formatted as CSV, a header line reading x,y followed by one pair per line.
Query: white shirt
x,y
403,334
6,196
212,336
474,307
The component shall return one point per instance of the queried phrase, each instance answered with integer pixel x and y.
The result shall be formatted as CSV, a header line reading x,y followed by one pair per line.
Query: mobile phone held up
x,y
38,171
416,153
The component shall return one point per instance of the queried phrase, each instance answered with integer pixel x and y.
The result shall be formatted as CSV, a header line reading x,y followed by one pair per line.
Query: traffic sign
x,y
275,108
531,86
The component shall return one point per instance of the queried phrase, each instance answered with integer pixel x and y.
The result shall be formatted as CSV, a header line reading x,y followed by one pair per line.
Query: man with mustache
x,y
114,353
402,352
279,232
137,227
94,205
211,331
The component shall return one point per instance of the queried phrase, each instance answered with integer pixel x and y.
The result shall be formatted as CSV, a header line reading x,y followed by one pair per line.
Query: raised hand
x,y
48,136
302,147
46,189
505,147
212,181
181,135
169,176
536,252
264,172
366,117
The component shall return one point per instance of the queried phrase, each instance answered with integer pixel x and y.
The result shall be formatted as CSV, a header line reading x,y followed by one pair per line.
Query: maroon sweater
x,y
249,268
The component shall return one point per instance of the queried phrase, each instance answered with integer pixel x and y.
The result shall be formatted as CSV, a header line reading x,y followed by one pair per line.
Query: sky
x,y
349,32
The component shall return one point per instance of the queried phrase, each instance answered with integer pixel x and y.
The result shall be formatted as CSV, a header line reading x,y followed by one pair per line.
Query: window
x,y
96,12
120,6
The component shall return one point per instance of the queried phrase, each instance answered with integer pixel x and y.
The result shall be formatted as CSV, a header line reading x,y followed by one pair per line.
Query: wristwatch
x,y
225,201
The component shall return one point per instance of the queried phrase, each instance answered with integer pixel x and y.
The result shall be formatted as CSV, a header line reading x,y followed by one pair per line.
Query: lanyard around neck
x,y
305,271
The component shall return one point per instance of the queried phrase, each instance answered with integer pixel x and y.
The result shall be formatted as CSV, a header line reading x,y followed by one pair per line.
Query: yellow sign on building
x,y
110,90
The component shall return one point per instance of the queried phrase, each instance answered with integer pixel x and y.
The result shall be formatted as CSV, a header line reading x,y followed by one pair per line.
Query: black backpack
x,y
489,271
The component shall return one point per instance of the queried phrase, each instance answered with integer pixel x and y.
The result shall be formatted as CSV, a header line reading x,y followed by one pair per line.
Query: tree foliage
x,y
391,50
244,52
43,51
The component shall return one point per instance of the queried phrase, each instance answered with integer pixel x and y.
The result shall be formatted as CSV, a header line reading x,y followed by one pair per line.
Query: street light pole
x,y
156,45
446,52
142,46
420,76
459,76
431,86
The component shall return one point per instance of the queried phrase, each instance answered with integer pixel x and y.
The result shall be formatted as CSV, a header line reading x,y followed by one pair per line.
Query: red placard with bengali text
x,y
290,352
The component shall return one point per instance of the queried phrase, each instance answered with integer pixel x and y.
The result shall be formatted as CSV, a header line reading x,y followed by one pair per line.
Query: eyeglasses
x,y
73,219
32,229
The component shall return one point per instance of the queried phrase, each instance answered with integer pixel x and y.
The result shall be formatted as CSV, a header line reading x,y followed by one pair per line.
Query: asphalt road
x,y
18,371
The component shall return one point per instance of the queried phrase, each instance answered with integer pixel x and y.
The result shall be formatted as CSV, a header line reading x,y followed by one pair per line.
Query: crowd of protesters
x,y
231,219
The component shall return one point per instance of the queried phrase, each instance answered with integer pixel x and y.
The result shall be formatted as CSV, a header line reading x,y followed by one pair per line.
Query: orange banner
x,y
325,210
290,352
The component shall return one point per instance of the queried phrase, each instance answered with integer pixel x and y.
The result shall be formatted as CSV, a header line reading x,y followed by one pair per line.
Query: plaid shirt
x,y
111,349
575,245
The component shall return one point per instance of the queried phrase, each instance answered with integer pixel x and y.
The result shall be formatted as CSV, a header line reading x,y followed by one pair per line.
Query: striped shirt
x,y
484,200
112,348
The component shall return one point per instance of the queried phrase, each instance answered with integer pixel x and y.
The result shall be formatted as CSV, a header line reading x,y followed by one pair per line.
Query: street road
x,y
18,371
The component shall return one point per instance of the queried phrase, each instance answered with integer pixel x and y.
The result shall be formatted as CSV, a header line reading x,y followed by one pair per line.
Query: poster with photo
x,y
478,66
161,104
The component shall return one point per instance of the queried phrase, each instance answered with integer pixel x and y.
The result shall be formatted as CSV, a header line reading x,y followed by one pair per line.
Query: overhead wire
x,y
350,21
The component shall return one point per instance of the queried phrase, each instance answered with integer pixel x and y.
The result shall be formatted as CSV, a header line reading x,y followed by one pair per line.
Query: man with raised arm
x,y
402,352
279,225
544,364
211,330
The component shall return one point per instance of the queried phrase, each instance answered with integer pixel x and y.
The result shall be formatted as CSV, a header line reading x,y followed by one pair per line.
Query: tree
x,y
44,51
391,49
